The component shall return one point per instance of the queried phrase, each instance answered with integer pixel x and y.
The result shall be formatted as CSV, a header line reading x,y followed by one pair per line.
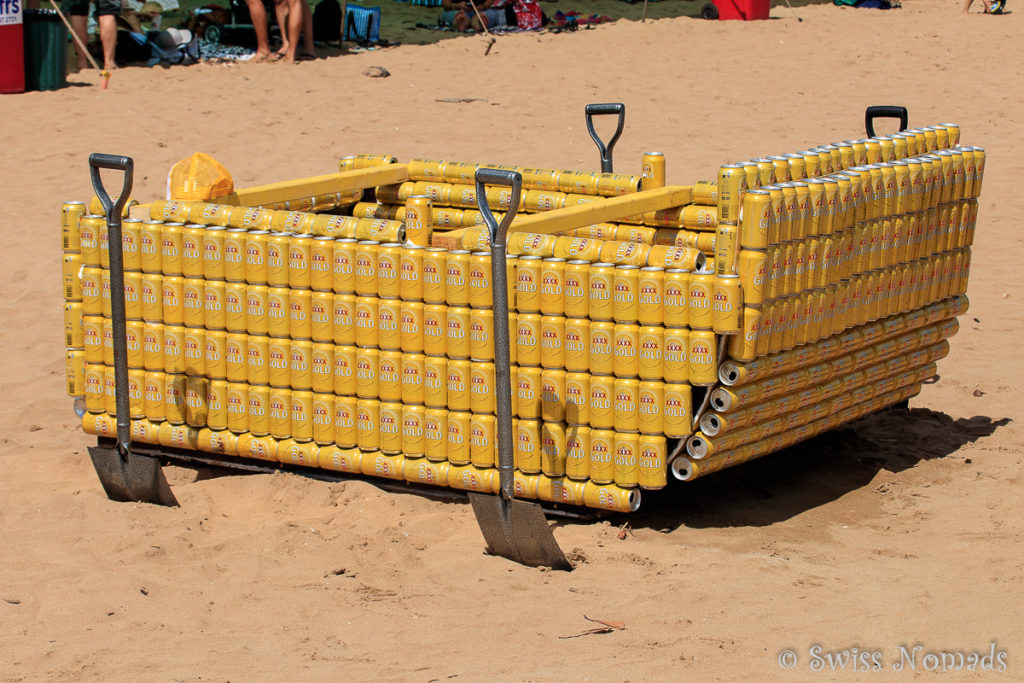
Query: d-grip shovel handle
x,y
499,303
117,313
592,110
884,112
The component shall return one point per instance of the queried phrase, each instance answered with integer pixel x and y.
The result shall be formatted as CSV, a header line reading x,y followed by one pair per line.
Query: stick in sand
x,y
483,24
643,19
798,17
104,75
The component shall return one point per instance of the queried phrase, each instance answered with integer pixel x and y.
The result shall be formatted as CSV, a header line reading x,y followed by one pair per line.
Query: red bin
x,y
12,47
745,10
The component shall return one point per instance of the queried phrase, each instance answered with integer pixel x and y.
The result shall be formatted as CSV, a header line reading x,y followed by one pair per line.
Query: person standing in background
x,y
295,20
258,13
106,17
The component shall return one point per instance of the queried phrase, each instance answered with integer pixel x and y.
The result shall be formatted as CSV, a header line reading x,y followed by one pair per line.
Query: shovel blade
x,y
517,530
131,477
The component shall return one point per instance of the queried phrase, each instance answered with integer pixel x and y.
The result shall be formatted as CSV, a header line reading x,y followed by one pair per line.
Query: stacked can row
x,y
370,463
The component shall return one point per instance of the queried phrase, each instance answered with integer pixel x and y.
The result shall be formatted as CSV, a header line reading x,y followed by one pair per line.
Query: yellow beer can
x,y
412,431
576,288
234,302
70,213
134,330
343,271
653,462
411,272
650,352
366,316
528,342
552,286
625,299
367,419
278,356
727,304
214,311
366,268
234,254
237,406
389,313
552,341
170,248
676,298
367,364
732,182
258,410
577,452
677,412
153,398
458,381
481,387
322,364
71,277
601,402
131,238
626,342
528,280
576,339
528,446
459,437
626,466
89,227
553,452
625,405
152,343
434,276
216,404
300,253
552,393
173,303
390,427
577,398
457,272
528,393
479,279
411,326
481,334
75,371
435,434
435,329
700,295
301,410
279,311
601,463
602,287
457,339
435,381
482,449
174,349
602,348
389,376
703,358
300,319
344,421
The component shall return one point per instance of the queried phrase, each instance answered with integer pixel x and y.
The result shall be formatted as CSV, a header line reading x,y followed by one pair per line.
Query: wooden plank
x,y
611,209
343,181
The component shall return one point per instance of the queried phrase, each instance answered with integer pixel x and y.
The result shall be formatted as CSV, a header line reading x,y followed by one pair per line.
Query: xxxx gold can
x,y
258,410
732,182
389,314
676,355
552,449
257,354
75,370
300,321
149,244
482,451
73,336
152,343
214,312
602,456
677,412
650,352
528,446
237,407
528,339
174,349
89,227
626,362
321,316
389,283
650,404
153,399
411,272
527,393
577,452
344,370
601,402
755,220
258,315
458,380
552,341
727,304
528,280
172,295
676,298
576,288
653,462
653,171
412,432
479,279
131,237
726,248
390,427
434,276
481,334
458,437
413,366
418,219
602,348
625,405
552,286
71,277
626,469
322,368
457,267
625,299
753,267
411,327
346,433
343,266
577,398
435,329
389,376
70,213
367,313
457,332
367,363
216,404
552,388
703,358
234,304
301,415
233,255
576,338
700,295
366,268
300,366
215,360
435,434
170,248
134,330
602,287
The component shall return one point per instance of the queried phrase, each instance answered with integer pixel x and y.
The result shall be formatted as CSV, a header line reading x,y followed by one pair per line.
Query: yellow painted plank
x,y
344,181
611,209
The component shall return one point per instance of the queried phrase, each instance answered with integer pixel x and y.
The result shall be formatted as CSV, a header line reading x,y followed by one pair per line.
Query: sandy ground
x,y
900,530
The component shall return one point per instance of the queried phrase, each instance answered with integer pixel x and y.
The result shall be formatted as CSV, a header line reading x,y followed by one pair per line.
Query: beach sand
x,y
899,530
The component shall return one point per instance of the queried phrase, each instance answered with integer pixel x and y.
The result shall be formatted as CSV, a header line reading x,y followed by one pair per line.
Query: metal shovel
x,y
514,529
125,476
884,112
605,150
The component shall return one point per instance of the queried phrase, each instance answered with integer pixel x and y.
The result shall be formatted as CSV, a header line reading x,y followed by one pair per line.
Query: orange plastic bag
x,y
200,177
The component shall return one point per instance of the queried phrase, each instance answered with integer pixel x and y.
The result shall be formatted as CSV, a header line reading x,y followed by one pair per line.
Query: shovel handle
x,y
884,112
117,313
499,304
592,110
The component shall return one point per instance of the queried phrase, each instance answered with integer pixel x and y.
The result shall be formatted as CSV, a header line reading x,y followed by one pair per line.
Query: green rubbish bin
x,y
46,50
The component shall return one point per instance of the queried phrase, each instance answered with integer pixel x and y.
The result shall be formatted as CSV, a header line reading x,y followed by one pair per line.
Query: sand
x,y
899,530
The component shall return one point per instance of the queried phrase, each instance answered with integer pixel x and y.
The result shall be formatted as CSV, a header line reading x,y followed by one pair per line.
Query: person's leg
x,y
281,12
967,5
460,22
108,37
259,23
294,28
81,26
308,47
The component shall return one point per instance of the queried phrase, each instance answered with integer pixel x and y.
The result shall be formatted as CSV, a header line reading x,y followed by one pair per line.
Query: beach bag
x,y
528,14
327,21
